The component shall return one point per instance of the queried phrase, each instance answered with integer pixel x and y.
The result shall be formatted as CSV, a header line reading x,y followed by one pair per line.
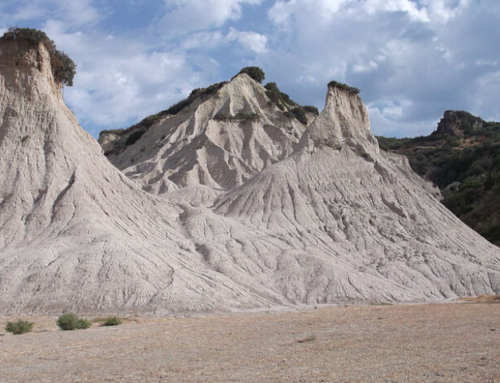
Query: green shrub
x,y
239,116
254,72
19,327
63,68
71,321
132,139
199,92
280,99
335,84
300,115
311,109
112,321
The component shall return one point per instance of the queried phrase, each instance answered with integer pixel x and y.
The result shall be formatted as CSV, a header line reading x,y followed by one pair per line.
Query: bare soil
x,y
401,343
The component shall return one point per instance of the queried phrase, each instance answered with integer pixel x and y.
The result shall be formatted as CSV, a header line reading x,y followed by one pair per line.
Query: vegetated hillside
x,y
462,157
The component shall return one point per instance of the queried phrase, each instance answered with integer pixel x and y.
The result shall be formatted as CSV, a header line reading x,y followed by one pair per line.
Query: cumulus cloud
x,y
208,40
119,81
187,16
431,53
74,13
250,40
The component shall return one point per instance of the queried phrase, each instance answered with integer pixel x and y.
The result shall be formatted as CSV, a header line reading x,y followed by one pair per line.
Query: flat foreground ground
x,y
416,343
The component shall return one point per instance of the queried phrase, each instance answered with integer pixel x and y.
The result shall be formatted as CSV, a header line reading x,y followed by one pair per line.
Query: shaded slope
x,y
75,233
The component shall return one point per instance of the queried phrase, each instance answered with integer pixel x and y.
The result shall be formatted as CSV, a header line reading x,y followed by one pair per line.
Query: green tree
x,y
254,72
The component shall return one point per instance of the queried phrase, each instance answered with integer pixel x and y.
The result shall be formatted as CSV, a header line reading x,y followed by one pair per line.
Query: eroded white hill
x,y
75,233
219,140
345,221
249,217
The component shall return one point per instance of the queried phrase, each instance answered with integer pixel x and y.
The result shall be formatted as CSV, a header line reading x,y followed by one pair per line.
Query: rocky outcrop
x,y
75,233
454,123
250,216
220,140
344,221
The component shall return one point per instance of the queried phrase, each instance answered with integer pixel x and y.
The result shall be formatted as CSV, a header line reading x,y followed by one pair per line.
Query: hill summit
x,y
462,157
219,211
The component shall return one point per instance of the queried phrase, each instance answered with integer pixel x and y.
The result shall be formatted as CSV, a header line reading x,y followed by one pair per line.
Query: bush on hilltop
x,y
63,68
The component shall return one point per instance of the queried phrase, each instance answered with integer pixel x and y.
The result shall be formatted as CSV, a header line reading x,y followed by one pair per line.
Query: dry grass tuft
x,y
481,299
309,338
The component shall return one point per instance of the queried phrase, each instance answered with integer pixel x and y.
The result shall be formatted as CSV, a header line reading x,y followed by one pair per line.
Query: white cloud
x,y
365,66
382,125
207,40
283,11
186,16
77,12
250,40
203,40
430,53
120,80
445,10
482,62
73,13
407,6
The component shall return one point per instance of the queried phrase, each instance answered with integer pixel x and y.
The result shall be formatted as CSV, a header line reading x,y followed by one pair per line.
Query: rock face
x,y
352,223
276,222
454,123
220,141
75,233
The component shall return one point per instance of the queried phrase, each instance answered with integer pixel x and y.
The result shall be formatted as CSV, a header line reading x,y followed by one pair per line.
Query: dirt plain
x,y
457,342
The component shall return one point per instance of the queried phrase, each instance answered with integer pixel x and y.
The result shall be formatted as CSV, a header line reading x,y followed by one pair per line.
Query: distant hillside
x,y
462,157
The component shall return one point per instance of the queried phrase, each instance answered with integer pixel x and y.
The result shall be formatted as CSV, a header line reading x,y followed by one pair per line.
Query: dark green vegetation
x,y
300,114
19,327
136,131
238,117
112,321
63,68
280,99
70,321
196,93
311,109
463,159
254,72
132,139
289,107
335,84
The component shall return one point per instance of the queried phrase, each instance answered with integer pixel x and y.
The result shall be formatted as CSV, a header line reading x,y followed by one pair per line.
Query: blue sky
x,y
412,60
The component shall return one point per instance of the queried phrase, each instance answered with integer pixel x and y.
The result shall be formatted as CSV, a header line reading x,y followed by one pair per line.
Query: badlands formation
x,y
205,213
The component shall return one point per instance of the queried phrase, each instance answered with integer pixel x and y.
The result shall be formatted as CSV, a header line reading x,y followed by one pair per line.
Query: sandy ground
x,y
417,343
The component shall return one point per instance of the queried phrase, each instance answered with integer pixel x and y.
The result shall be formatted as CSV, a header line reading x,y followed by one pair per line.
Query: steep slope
x,y
336,220
75,233
462,157
344,221
219,137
